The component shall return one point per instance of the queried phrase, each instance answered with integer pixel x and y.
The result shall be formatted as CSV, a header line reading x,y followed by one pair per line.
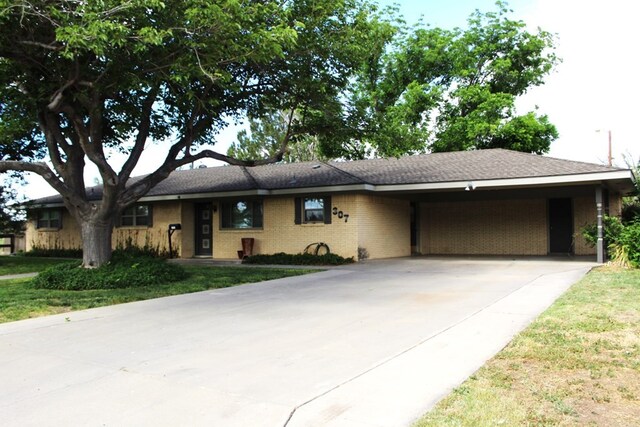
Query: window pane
x,y
242,214
313,210
142,220
127,220
49,219
142,210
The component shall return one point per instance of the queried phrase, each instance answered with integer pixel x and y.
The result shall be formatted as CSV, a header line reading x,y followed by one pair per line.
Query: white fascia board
x,y
510,182
323,189
214,195
262,192
28,206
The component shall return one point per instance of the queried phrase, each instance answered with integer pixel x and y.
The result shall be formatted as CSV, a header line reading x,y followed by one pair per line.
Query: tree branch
x,y
141,137
52,46
45,172
141,187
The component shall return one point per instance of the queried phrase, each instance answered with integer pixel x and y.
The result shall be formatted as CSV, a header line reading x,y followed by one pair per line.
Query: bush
x,y
124,271
298,259
622,239
612,229
54,253
630,241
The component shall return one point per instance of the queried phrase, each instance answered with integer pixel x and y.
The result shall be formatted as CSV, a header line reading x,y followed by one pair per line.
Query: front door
x,y
560,226
203,229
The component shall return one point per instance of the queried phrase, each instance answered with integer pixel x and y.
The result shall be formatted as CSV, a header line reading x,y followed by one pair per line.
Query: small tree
x,y
80,78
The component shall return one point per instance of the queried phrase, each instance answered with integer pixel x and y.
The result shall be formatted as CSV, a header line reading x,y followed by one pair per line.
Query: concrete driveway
x,y
375,344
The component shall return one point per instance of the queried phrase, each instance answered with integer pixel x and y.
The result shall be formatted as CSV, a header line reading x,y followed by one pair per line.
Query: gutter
x,y
487,184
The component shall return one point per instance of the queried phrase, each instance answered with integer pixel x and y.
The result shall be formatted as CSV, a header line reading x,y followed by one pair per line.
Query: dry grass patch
x,y
578,364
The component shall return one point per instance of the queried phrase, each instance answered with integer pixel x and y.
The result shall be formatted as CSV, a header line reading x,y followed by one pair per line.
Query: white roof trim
x,y
510,182
576,179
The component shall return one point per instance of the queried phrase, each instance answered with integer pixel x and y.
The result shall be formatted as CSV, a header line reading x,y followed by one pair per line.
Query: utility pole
x,y
610,156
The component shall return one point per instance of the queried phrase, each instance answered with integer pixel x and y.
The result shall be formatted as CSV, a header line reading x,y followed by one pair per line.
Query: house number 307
x,y
341,214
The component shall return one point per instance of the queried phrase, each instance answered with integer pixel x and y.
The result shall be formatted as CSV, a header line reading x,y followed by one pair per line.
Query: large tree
x,y
78,78
446,90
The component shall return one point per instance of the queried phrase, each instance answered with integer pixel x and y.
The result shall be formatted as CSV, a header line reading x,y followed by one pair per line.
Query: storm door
x,y
560,226
204,232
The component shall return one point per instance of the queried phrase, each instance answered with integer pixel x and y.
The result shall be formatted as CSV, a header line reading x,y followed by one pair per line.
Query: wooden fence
x,y
12,243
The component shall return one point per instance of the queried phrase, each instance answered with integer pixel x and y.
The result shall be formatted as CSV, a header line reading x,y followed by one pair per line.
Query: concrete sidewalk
x,y
372,344
17,276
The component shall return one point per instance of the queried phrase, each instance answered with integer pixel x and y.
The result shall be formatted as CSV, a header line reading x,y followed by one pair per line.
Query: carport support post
x,y
600,226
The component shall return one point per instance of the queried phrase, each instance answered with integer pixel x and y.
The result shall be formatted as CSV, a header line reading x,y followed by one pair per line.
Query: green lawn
x,y
20,300
578,364
22,264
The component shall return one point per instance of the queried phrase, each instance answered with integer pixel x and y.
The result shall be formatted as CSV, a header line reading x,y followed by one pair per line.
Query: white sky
x,y
595,87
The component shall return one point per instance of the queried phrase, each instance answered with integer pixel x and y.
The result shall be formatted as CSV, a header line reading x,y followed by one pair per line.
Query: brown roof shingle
x,y
426,168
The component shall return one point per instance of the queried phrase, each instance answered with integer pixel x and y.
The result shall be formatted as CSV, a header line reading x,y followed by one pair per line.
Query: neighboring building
x,y
485,202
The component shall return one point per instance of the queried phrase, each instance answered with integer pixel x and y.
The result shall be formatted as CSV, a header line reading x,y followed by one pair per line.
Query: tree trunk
x,y
96,243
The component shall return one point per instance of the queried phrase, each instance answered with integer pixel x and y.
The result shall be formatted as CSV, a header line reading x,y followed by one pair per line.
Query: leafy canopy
x,y
78,78
446,90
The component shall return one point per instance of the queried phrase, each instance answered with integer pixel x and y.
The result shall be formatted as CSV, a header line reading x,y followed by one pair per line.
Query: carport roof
x,y
435,171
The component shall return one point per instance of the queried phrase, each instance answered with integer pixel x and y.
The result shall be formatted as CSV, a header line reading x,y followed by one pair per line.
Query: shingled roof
x,y
434,168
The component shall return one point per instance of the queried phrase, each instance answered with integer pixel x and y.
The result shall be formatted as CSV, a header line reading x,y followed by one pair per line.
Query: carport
x,y
533,217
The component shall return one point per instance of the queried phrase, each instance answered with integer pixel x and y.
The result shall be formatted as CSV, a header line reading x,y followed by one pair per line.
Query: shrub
x,y
623,240
54,252
630,241
124,271
612,229
298,259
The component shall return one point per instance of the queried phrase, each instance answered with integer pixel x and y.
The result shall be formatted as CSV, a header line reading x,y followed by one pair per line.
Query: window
x,y
311,210
242,214
49,218
136,216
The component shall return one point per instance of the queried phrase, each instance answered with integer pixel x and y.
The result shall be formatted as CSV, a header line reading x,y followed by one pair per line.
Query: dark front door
x,y
560,226
203,229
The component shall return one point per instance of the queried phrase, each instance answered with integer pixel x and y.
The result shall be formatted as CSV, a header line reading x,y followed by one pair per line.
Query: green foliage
x,y
447,90
612,229
622,239
80,78
10,220
20,264
19,299
125,270
41,252
298,259
128,249
271,132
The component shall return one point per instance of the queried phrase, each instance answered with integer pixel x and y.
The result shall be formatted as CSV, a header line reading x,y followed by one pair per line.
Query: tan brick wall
x,y
584,213
615,204
68,237
164,213
499,227
281,234
384,226
187,234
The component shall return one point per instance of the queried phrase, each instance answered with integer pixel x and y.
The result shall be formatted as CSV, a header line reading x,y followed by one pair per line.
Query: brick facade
x,y
381,225
502,227
384,226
